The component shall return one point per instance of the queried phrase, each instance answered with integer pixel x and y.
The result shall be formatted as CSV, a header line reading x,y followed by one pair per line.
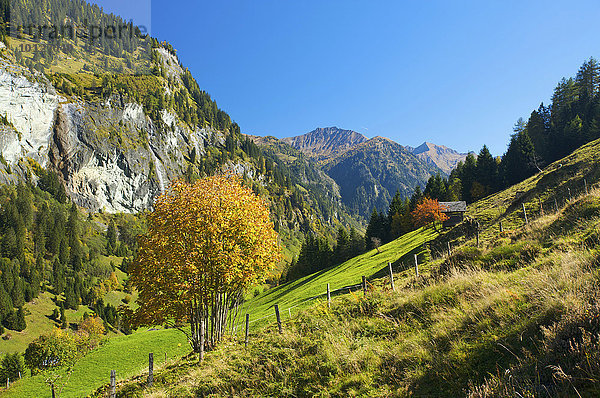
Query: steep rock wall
x,y
110,154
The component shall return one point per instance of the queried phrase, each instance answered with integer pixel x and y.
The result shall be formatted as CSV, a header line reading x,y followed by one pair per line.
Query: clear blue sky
x,y
457,73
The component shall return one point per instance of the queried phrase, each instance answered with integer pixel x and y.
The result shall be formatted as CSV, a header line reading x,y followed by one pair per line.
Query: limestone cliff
x,y
110,154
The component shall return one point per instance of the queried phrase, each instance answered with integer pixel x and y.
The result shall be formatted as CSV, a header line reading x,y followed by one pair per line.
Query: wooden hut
x,y
455,212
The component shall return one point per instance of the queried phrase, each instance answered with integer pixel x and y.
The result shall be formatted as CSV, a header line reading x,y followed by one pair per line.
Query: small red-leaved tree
x,y
428,211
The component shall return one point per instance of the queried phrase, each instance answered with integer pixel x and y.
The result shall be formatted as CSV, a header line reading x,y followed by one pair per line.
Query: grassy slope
x,y
38,313
295,294
553,181
128,355
499,320
38,322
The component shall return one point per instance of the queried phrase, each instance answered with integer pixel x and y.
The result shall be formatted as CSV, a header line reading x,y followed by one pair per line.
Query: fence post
x,y
449,251
525,213
416,266
586,188
113,384
364,285
290,312
328,297
202,334
391,276
570,196
247,330
278,319
150,369
501,227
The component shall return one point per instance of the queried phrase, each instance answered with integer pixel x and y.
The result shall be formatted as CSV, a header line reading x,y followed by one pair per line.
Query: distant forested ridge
x,y
550,133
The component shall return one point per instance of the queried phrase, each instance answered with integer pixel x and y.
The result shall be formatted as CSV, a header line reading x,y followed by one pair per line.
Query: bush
x,y
52,350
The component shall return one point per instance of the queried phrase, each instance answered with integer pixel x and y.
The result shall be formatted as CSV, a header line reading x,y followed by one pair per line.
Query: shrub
x,y
52,350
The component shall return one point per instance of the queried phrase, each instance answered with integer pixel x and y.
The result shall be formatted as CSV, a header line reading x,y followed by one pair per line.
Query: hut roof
x,y
449,207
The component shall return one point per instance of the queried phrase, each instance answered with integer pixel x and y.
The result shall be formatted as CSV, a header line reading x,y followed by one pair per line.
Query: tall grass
x,y
518,316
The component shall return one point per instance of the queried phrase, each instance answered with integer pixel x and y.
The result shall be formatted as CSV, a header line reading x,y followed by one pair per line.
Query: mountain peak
x,y
443,157
426,146
325,142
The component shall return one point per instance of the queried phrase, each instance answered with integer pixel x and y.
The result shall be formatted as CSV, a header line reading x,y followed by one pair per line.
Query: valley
x,y
138,217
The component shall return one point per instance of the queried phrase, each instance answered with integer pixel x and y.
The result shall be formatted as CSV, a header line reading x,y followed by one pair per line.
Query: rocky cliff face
x,y
29,104
110,154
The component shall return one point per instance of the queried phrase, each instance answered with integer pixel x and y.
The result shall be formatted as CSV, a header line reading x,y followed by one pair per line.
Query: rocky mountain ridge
x,y
370,174
326,143
366,172
439,155
323,144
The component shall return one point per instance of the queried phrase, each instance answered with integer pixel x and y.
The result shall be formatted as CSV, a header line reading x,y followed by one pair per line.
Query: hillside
x,y
295,295
515,316
370,174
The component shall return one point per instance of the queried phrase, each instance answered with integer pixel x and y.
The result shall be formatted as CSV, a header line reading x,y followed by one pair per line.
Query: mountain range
x,y
117,127
367,171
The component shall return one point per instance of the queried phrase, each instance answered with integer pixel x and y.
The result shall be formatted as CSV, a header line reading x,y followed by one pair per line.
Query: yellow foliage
x,y
206,240
93,326
113,282
428,211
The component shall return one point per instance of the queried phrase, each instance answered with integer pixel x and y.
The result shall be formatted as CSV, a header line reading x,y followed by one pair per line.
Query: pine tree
x,y
342,250
518,163
468,176
416,198
63,318
18,294
588,80
111,237
487,171
71,301
538,128
435,188
6,305
58,276
20,323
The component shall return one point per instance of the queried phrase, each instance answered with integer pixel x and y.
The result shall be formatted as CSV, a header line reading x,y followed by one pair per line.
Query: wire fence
x,y
524,205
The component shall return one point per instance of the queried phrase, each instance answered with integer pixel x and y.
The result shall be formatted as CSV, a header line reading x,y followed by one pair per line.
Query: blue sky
x,y
456,73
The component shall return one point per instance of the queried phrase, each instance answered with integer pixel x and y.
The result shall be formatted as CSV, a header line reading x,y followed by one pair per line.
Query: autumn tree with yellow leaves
x,y
206,244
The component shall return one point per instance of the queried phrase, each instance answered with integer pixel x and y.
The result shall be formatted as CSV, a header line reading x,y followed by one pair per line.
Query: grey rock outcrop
x,y
110,154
